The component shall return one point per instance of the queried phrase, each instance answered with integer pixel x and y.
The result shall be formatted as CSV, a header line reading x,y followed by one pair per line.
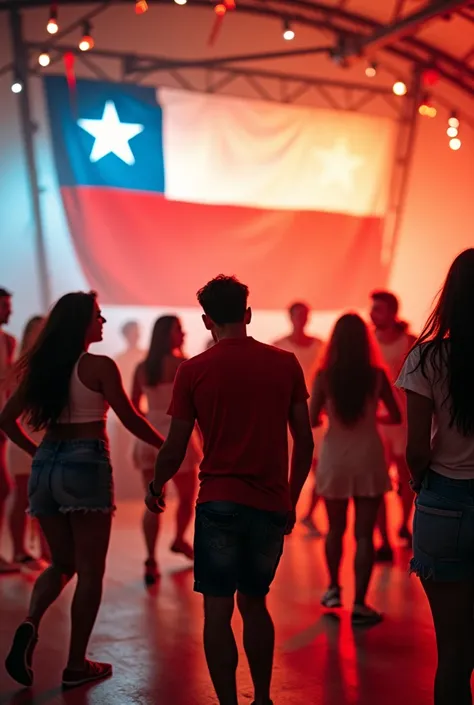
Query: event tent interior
x,y
341,65
426,44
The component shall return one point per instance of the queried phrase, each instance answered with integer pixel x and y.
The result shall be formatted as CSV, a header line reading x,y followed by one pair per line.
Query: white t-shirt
x,y
307,355
452,454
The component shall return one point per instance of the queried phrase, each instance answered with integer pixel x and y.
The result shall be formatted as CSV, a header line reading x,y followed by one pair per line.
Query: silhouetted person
x,y
154,379
243,395
66,391
307,350
438,377
353,466
394,342
7,350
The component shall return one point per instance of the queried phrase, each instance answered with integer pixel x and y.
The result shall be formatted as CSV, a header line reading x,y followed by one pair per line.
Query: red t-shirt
x,y
240,392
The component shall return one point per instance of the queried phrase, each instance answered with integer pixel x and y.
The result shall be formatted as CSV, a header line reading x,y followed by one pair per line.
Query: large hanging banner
x,y
164,189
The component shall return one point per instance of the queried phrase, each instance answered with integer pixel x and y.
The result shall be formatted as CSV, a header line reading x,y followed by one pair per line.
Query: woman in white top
x,y
438,377
154,379
66,391
352,463
19,465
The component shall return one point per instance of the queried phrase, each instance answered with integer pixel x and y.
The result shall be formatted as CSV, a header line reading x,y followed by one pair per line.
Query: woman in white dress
x,y
154,379
19,464
352,463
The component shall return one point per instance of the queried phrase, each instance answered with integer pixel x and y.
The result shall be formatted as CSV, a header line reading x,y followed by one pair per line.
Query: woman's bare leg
x,y
18,517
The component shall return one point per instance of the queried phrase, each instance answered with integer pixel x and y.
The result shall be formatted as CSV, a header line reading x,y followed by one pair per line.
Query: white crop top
x,y
84,405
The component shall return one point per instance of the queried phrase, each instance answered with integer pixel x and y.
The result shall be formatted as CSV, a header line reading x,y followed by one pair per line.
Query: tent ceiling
x,y
443,35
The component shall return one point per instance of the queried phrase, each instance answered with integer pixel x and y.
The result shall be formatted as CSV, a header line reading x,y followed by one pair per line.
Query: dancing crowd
x,y
255,421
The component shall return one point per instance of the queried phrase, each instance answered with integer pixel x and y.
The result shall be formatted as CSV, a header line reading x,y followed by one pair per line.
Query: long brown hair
x,y
448,338
45,369
160,348
349,368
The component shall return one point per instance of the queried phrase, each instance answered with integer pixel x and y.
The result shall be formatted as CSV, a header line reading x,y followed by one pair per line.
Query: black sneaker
x,y
92,671
332,598
384,555
364,616
152,573
18,661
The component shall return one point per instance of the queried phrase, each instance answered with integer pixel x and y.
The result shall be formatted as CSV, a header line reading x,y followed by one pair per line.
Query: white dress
x,y
352,460
159,400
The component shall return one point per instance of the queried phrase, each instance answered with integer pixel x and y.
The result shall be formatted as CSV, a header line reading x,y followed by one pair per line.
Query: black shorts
x,y
236,548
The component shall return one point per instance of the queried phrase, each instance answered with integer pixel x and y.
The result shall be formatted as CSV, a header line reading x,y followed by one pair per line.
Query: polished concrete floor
x,y
153,638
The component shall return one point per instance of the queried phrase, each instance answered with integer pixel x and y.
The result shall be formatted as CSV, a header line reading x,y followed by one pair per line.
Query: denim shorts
x,y
236,548
443,532
70,476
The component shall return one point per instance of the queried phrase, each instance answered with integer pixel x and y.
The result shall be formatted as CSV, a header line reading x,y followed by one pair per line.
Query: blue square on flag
x,y
108,134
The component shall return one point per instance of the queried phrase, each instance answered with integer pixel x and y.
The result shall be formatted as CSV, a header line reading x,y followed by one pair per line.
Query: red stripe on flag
x,y
140,249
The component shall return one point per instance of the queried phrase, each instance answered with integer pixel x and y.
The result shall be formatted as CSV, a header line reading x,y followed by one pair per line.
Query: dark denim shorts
x,y
70,476
236,548
443,532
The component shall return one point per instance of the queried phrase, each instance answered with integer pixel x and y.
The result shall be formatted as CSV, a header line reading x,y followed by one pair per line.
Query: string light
x,y
87,42
455,144
52,27
453,120
141,6
17,86
426,108
44,59
288,32
399,88
371,70
452,131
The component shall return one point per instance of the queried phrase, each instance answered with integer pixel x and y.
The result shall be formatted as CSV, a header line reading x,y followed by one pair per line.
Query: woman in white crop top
x,y
154,379
438,377
66,392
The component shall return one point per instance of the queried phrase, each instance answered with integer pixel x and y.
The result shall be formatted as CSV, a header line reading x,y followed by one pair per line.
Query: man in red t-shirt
x,y
243,395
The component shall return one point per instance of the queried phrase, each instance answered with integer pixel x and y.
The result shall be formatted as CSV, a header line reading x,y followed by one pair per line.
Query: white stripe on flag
x,y
224,150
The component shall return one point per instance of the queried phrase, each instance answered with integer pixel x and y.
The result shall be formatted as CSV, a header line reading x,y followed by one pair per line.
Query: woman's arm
x,y
387,396
137,387
114,393
318,399
419,414
9,416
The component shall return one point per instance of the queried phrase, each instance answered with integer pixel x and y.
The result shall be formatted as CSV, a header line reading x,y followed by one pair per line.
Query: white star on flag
x,y
338,165
111,135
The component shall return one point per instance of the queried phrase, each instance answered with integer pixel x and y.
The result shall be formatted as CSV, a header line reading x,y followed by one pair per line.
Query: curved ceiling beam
x,y
337,20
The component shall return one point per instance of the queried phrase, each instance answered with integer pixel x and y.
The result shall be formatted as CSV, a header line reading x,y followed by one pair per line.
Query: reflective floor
x,y
153,638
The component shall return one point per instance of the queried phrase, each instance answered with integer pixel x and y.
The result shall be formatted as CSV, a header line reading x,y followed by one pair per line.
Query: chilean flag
x,y
163,189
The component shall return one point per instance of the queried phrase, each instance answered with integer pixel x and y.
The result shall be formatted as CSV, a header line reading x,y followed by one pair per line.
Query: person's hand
x,y
290,525
155,502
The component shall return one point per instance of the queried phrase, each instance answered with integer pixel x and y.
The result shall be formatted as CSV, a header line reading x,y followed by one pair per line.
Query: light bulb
x,y
453,121
44,59
399,88
455,144
181,2
371,71
17,87
452,131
